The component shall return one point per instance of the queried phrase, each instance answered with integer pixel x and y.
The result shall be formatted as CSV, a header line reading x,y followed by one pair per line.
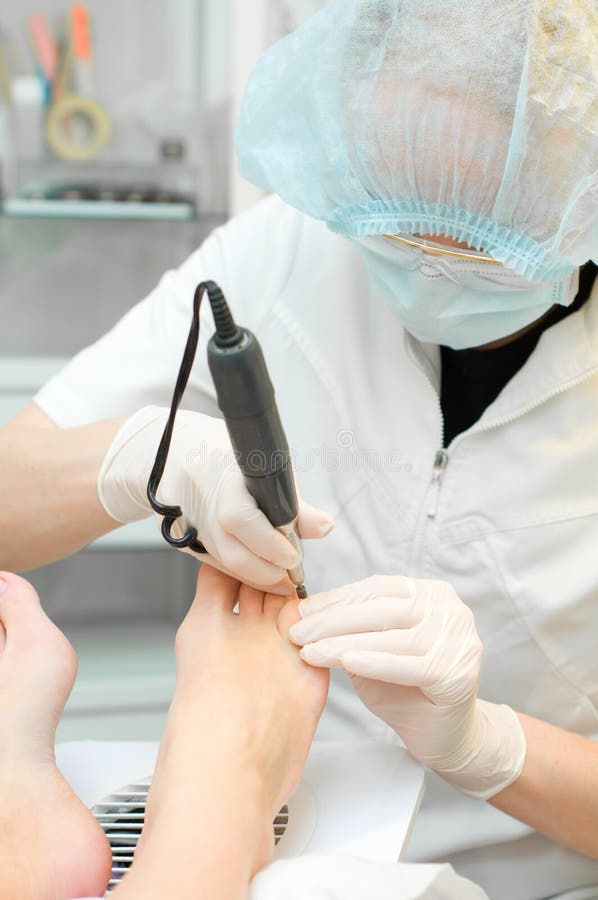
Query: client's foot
x,y
51,848
238,733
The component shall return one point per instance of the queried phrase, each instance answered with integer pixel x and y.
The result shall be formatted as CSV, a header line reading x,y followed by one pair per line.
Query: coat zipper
x,y
443,458
440,466
441,462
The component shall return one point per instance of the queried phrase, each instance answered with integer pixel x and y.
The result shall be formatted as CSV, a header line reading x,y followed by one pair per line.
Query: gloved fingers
x,y
410,671
242,563
312,522
359,592
377,614
233,558
330,652
239,516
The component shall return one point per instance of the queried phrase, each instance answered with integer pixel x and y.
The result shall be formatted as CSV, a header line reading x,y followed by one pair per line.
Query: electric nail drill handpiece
x,y
247,401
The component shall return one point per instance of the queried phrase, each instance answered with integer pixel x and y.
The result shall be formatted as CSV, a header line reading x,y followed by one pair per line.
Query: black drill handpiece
x,y
247,400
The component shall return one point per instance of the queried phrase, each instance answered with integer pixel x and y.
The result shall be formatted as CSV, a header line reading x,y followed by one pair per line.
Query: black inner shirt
x,y
473,379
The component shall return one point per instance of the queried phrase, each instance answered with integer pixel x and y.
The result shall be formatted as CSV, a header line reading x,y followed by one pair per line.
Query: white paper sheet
x,y
340,878
358,800
366,794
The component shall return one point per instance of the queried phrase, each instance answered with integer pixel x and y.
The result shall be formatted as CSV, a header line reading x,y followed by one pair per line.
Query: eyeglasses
x,y
439,250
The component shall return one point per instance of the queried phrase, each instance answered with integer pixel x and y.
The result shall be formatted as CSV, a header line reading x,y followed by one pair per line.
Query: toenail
x,y
3,585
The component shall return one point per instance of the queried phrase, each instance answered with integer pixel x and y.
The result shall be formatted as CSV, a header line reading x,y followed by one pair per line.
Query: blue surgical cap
x,y
477,120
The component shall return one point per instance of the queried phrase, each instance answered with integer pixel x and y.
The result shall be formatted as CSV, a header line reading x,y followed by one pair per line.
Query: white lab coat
x,y
513,525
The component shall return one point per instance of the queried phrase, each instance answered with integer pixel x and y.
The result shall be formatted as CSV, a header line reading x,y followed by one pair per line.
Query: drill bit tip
x,y
302,592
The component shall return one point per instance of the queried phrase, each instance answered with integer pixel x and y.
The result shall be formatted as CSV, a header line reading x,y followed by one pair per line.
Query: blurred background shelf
x,y
102,190
88,209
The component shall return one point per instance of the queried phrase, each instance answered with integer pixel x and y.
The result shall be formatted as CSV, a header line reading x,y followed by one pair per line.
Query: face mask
x,y
458,303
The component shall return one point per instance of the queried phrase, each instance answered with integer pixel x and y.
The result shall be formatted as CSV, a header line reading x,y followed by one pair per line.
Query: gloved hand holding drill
x,y
203,477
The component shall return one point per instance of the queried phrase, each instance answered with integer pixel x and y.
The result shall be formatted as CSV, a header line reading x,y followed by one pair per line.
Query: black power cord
x,y
227,335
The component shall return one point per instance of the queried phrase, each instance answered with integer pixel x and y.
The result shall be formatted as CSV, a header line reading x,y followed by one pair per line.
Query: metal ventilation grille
x,y
122,816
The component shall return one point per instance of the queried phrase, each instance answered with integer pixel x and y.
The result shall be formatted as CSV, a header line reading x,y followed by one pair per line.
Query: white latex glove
x,y
203,478
414,654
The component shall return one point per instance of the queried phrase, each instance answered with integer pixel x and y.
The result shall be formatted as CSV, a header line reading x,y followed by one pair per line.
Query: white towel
x,y
345,878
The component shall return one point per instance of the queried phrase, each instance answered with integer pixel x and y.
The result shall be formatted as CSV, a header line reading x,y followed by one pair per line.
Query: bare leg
x,y
238,733
51,848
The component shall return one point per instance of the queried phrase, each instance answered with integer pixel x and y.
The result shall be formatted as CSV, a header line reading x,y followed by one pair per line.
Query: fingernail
x,y
3,585
311,655
353,659
316,653
325,526
297,634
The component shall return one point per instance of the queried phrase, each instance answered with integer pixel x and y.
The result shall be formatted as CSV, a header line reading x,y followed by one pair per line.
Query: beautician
x,y
420,283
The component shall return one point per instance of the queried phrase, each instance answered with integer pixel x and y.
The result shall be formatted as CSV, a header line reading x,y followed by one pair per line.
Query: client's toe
x,y
37,663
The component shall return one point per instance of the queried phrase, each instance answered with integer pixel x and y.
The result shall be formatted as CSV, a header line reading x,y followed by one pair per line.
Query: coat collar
x,y
566,354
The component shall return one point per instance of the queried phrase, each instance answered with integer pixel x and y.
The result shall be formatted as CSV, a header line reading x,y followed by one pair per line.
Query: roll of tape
x,y
61,126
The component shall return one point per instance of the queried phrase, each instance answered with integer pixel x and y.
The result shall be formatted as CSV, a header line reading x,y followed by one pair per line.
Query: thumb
x,y
313,522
